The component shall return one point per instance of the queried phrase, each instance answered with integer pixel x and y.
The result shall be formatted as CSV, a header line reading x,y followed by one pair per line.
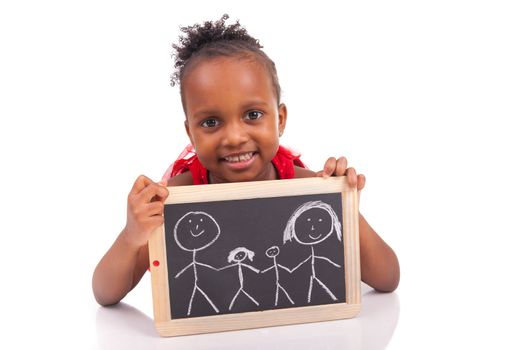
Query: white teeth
x,y
240,158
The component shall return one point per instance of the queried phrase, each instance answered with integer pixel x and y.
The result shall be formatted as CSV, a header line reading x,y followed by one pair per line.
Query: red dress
x,y
283,162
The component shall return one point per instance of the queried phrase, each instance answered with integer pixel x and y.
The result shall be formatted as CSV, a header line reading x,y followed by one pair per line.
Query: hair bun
x,y
209,35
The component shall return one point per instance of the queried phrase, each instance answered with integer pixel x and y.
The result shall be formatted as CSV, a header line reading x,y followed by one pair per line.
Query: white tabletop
x,y
127,327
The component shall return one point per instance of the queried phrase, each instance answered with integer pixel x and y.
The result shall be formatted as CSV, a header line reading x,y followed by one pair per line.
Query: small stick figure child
x,y
310,224
238,255
272,253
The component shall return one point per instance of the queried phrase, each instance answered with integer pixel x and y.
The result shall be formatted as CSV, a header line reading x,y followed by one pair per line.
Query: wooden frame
x,y
261,189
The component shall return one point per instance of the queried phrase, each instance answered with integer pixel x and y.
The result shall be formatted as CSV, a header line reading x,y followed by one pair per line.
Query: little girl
x,y
230,94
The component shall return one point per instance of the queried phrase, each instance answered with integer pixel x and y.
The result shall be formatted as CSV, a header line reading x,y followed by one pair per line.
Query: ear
x,y
188,132
283,114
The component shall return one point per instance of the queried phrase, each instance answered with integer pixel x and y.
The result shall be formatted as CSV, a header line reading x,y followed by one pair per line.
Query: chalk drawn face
x,y
272,251
196,230
239,256
313,226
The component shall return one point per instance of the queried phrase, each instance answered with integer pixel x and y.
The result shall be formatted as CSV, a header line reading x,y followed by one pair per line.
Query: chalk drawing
x,y
195,231
237,256
310,224
272,253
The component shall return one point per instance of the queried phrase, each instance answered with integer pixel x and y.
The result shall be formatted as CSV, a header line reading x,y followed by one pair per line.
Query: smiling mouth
x,y
237,158
196,235
316,236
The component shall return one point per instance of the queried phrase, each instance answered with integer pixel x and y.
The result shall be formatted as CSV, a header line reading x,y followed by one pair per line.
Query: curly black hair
x,y
215,39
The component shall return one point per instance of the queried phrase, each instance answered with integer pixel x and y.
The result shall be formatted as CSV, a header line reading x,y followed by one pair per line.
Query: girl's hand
x,y
337,167
145,210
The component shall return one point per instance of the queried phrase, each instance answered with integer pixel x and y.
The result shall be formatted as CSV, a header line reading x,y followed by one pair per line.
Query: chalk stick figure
x,y
310,224
238,255
272,253
195,231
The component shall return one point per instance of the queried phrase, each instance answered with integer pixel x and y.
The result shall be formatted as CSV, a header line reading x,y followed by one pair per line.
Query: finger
x,y
140,183
163,194
361,180
329,167
154,208
351,175
145,211
340,167
162,197
152,190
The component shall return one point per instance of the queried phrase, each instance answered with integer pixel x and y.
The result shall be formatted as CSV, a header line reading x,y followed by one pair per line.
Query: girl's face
x,y
232,118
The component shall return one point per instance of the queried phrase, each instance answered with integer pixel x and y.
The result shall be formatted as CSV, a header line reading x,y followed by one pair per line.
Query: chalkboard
x,y
246,255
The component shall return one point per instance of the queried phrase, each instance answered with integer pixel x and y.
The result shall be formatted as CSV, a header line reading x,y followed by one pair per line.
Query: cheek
x,y
205,146
270,141
272,128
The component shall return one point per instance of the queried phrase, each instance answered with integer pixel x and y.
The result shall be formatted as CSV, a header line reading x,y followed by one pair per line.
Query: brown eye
x,y
210,123
254,115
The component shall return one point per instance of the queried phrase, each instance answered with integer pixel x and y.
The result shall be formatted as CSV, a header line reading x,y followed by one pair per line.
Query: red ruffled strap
x,y
284,162
188,161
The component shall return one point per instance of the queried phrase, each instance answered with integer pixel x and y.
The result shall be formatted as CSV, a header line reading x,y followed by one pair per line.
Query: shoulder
x,y
184,179
302,172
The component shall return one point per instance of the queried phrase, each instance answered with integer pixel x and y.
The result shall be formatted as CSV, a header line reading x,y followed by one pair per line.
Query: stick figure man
x,y
272,253
310,224
238,255
195,231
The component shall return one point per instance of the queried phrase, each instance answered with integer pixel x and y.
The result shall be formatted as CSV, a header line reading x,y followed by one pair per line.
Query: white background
x,y
426,98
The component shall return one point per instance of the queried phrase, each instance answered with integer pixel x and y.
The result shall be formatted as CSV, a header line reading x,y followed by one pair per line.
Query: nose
x,y
313,228
235,134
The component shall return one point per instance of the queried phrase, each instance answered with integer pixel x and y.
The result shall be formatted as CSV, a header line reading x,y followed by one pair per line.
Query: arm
x,y
266,270
284,267
124,264
184,269
379,263
225,267
208,266
251,268
325,258
305,260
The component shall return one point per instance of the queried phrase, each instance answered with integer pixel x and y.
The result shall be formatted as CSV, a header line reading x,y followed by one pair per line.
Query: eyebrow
x,y
204,111
257,102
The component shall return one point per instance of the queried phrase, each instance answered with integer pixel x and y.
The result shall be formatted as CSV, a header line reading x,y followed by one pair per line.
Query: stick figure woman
x,y
310,224
195,231
272,253
238,255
